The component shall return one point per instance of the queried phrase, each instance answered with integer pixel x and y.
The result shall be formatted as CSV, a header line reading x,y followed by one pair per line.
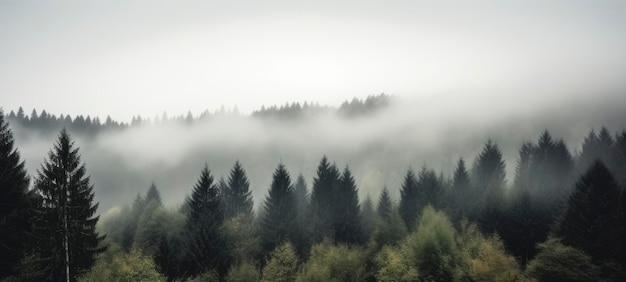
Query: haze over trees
x,y
561,215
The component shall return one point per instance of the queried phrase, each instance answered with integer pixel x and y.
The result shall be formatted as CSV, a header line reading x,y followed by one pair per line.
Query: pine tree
x,y
322,200
489,176
347,222
14,202
130,228
301,196
278,223
590,221
461,193
153,195
385,206
408,200
238,195
205,243
70,241
429,190
368,217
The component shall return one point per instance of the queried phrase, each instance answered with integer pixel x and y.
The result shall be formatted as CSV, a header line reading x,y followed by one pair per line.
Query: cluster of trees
x,y
562,219
49,123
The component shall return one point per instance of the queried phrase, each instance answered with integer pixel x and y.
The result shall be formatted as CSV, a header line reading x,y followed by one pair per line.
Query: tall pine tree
x,y
153,195
385,205
205,243
322,200
70,242
347,222
238,197
461,192
489,184
14,203
278,223
408,200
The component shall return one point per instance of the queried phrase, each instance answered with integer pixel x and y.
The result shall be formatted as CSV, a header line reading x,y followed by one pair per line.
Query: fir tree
x,y
489,183
130,228
347,222
70,242
590,221
153,195
278,223
14,202
385,206
408,200
368,217
322,200
301,196
429,190
461,193
238,196
205,243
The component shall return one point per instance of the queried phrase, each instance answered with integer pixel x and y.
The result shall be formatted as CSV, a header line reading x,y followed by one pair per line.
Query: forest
x,y
560,217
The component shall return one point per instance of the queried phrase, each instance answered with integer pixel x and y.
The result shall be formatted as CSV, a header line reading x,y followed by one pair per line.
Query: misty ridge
x,y
378,137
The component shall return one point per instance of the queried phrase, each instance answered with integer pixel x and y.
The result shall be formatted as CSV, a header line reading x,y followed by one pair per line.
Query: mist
x,y
378,146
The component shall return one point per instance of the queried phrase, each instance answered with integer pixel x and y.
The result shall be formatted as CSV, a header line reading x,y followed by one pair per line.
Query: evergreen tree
x,y
368,217
347,222
489,184
301,196
590,221
429,190
461,193
322,200
385,205
205,243
408,200
130,228
69,241
153,195
14,202
238,195
278,223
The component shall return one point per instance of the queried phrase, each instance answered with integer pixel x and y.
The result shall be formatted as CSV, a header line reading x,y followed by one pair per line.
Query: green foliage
x,y
392,266
242,236
389,230
432,247
385,206
347,219
322,200
330,262
558,262
244,272
408,200
237,195
156,224
283,264
129,267
368,217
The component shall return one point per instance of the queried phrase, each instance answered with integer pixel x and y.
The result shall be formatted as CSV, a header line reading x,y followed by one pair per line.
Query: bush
x,y
392,266
557,262
283,264
245,272
334,263
131,266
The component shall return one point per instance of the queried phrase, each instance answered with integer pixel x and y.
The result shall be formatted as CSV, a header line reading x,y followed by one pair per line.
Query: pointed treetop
x,y
153,195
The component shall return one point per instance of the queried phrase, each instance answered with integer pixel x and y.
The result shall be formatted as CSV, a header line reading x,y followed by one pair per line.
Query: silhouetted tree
x,y
322,200
429,190
590,221
14,202
461,194
205,243
278,223
408,200
489,178
238,197
153,195
385,205
301,197
368,217
69,239
347,223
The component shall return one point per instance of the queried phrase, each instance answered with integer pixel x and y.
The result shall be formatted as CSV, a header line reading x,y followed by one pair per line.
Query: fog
x,y
379,146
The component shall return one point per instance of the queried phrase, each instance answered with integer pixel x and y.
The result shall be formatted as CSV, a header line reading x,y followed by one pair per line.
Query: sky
x,y
123,58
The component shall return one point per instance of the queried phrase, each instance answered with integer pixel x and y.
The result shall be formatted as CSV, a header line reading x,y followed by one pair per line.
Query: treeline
x,y
562,219
49,123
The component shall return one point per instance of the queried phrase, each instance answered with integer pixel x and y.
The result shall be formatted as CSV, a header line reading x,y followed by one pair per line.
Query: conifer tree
x,y
489,183
69,241
278,223
153,195
238,195
205,243
301,197
130,228
14,202
461,193
408,200
322,200
347,222
590,221
368,217
384,204
429,190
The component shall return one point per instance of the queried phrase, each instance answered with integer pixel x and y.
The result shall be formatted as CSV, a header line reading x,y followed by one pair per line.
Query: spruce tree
x,y
591,218
322,200
14,203
489,183
429,190
69,239
153,195
130,228
347,222
205,243
278,223
461,193
368,217
301,197
408,200
238,195
384,204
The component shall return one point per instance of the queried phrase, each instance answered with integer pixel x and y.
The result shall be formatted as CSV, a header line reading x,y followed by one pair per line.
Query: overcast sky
x,y
146,57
